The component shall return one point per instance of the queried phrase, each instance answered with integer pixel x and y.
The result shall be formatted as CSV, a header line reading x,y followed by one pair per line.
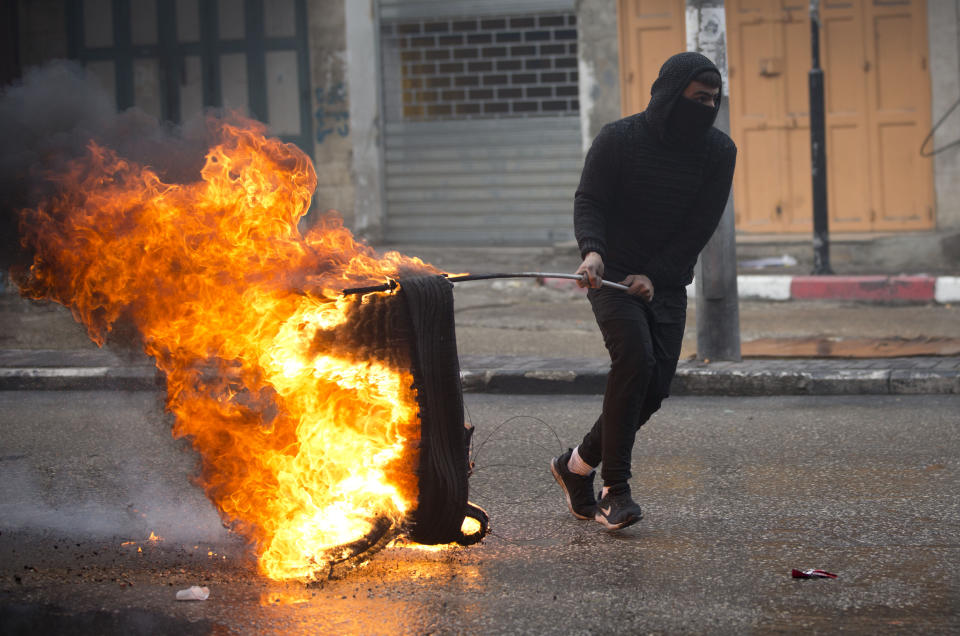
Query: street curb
x,y
730,381
140,378
77,370
533,382
864,288
871,289
827,382
84,371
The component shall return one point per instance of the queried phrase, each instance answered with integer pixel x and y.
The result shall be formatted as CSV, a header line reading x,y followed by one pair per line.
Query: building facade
x,y
466,121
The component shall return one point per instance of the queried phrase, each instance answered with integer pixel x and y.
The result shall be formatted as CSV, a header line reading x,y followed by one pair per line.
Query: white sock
x,y
577,465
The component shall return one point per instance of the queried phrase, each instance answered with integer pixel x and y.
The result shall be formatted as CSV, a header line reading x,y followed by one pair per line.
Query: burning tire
x,y
324,426
416,327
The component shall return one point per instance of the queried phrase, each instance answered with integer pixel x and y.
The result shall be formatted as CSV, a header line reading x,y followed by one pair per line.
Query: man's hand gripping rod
x,y
392,284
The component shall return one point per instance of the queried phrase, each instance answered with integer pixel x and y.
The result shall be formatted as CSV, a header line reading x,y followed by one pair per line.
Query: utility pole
x,y
718,309
818,151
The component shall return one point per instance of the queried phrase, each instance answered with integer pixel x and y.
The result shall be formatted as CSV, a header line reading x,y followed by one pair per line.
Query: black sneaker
x,y
578,489
618,510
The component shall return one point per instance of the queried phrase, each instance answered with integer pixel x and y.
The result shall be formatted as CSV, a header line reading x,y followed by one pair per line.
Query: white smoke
x,y
89,470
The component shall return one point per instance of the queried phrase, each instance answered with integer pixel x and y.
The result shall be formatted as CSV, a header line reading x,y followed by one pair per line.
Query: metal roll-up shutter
x,y
486,181
482,136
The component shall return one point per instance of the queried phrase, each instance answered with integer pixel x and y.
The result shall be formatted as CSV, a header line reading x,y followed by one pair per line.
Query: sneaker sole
x,y
616,526
556,476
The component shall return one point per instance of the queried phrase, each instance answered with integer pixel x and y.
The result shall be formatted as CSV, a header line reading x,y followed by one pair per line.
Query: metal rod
x,y
468,277
392,284
818,150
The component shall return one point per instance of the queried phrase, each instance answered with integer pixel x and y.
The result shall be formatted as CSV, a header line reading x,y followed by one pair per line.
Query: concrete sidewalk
x,y
914,289
47,369
877,284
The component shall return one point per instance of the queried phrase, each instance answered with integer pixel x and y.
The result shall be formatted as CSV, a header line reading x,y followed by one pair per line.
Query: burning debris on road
x,y
325,424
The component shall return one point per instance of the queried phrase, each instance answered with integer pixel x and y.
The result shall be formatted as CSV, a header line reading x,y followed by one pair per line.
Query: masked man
x,y
651,194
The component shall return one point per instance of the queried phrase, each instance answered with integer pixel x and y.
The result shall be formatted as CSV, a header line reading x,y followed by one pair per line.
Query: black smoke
x,y
48,119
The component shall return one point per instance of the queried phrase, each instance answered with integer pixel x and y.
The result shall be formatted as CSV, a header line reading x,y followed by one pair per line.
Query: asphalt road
x,y
736,492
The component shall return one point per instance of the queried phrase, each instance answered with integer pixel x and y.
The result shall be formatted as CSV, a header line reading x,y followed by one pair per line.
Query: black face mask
x,y
690,120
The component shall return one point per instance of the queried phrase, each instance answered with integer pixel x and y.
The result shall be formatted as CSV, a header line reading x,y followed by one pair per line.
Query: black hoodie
x,y
647,201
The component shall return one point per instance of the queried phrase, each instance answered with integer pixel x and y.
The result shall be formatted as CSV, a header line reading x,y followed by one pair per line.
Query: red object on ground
x,y
882,288
812,574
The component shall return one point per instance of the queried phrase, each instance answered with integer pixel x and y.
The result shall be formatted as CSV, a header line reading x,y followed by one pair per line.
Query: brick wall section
x,y
462,68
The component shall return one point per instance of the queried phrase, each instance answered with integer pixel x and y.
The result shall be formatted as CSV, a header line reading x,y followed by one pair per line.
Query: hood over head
x,y
675,74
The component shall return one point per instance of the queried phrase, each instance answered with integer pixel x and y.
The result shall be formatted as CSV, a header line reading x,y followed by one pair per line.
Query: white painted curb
x,y
764,287
947,289
756,287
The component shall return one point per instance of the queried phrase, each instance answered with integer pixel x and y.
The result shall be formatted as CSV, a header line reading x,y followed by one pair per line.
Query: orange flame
x,y
302,449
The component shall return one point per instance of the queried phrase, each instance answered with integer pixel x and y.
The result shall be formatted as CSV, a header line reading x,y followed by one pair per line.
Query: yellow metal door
x,y
842,37
878,110
767,114
898,84
650,32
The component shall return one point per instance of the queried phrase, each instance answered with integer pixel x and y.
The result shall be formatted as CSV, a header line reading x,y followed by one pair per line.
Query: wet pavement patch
x,y
33,618
822,347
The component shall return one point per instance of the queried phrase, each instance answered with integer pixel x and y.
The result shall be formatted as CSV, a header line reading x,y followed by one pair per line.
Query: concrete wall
x,y
944,38
330,103
599,65
366,163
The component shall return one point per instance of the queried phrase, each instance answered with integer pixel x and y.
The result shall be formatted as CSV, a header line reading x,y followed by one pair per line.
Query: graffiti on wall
x,y
332,115
706,33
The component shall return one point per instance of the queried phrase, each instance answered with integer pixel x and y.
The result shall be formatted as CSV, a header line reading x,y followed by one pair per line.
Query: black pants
x,y
644,342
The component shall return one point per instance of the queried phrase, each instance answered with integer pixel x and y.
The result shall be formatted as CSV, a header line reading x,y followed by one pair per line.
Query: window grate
x,y
480,68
